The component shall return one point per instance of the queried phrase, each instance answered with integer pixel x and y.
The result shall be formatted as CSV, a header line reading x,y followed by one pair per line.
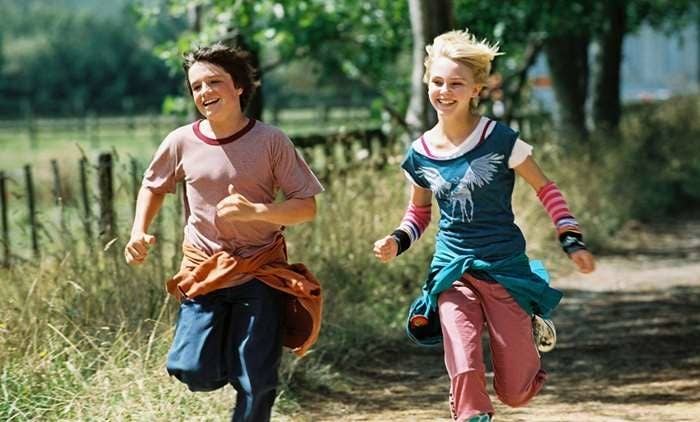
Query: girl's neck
x,y
455,130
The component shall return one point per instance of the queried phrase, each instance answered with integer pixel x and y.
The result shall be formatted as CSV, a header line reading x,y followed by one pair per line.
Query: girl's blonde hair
x,y
462,47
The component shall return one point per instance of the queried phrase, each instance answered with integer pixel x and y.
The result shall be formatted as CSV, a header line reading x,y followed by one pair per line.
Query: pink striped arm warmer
x,y
568,230
413,224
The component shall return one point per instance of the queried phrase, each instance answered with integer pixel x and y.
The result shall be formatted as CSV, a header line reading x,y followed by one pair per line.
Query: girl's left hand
x,y
584,260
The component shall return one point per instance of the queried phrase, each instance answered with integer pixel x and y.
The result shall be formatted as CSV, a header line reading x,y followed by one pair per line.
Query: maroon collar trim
x,y
213,141
483,134
425,147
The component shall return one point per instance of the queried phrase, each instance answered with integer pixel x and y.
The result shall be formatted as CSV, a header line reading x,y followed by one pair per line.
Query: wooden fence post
x,y
5,226
84,193
30,124
130,122
107,228
58,193
135,182
178,225
32,210
157,231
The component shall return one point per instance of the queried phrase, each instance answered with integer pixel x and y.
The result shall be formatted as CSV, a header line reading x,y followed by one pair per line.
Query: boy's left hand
x,y
235,207
584,260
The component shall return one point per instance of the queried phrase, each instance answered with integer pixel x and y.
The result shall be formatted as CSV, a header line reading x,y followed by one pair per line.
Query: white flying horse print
x,y
479,173
438,185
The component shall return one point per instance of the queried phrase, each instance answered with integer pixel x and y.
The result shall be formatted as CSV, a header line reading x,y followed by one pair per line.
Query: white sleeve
x,y
521,150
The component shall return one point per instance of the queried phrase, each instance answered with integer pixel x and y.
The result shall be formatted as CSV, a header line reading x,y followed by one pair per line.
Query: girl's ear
x,y
476,90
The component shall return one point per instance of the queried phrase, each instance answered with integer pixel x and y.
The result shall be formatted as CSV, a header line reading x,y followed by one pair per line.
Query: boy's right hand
x,y
386,248
136,249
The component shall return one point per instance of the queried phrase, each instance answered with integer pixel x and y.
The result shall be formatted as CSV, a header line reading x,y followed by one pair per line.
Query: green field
x,y
38,140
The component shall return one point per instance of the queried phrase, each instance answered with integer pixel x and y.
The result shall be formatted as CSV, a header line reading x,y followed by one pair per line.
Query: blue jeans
x,y
234,336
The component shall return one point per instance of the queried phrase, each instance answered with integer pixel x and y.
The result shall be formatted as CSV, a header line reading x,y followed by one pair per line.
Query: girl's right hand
x,y
136,249
386,248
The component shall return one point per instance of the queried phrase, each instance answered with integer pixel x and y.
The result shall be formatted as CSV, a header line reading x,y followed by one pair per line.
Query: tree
x,y
48,66
607,107
615,19
515,29
565,29
429,18
567,57
362,40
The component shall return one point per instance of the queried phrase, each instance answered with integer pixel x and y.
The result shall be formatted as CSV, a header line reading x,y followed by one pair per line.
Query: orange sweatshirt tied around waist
x,y
302,305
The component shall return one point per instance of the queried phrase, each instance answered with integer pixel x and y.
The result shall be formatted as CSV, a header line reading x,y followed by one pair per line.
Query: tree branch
x,y
515,82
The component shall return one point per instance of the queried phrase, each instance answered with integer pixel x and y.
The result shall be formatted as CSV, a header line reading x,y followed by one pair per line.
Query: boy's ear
x,y
240,91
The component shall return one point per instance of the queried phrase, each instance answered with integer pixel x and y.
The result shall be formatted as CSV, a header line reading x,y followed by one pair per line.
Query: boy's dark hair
x,y
235,61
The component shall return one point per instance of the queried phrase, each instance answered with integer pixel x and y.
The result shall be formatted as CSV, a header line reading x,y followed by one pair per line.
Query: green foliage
x,y
348,52
565,29
657,158
58,61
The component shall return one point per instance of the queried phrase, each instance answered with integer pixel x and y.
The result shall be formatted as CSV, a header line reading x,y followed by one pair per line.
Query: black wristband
x,y
402,240
571,242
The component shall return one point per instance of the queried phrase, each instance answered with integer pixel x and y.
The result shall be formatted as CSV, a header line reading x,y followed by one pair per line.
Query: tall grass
x,y
84,337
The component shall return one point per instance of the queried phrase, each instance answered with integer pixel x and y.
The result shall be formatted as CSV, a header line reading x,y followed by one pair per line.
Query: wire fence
x,y
86,201
101,130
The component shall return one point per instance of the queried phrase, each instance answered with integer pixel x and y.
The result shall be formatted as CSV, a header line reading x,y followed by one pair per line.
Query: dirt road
x,y
628,350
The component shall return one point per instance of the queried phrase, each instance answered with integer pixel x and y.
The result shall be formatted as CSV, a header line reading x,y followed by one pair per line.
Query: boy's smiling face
x,y
214,92
451,86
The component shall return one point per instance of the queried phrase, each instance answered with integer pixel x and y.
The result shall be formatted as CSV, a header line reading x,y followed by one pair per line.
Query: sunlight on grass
x,y
84,337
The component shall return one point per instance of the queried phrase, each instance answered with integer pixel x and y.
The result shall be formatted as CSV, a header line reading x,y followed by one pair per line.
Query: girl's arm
x,y
531,172
413,224
147,205
568,230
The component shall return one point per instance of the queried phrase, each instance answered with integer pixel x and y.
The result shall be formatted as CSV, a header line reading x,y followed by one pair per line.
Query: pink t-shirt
x,y
259,161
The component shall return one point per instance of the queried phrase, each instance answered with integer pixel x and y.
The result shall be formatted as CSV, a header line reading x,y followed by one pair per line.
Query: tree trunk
x,y
233,38
515,83
607,108
429,18
567,57
254,109
194,22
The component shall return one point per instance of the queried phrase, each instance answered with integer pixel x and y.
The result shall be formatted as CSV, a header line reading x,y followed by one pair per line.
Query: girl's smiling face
x,y
451,87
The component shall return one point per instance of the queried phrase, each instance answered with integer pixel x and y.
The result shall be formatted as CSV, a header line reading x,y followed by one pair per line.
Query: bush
x,y
657,158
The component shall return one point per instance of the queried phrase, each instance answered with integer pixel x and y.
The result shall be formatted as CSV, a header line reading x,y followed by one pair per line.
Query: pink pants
x,y
464,309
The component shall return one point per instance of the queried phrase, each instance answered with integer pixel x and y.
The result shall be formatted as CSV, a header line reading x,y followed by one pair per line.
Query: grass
x,y
84,337
40,140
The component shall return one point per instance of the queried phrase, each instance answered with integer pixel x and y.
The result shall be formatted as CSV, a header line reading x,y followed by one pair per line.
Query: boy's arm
x,y
417,217
236,207
558,210
147,205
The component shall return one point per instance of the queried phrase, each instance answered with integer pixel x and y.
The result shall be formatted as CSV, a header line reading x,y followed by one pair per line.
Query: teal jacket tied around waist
x,y
527,281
